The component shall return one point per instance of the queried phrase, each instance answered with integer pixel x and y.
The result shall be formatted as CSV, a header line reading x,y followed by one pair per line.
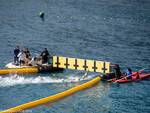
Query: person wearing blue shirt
x,y
129,73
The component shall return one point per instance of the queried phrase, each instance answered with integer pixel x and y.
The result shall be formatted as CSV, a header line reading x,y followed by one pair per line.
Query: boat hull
x,y
19,71
134,78
12,69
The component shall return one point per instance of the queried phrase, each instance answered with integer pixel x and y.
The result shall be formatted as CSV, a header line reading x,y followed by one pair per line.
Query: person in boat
x,y
116,74
27,56
129,73
27,53
16,52
21,57
45,56
117,71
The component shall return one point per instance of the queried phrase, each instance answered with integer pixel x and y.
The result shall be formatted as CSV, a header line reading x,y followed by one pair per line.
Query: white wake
x,y
16,79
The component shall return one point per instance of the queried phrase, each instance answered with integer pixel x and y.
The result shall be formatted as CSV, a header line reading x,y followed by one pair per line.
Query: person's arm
x,y
19,55
41,54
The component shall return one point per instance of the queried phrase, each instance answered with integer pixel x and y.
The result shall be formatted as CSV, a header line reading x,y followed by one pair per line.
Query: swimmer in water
x,y
41,14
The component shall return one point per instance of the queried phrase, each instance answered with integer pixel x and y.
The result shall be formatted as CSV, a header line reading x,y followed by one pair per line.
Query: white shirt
x,y
21,56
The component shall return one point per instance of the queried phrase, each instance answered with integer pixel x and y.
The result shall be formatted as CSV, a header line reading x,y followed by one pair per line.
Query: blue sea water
x,y
113,30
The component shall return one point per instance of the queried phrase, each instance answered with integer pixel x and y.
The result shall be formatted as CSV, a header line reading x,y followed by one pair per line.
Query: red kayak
x,y
135,76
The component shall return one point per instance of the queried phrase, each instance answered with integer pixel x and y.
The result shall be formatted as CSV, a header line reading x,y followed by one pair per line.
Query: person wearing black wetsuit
x,y
16,52
45,56
117,71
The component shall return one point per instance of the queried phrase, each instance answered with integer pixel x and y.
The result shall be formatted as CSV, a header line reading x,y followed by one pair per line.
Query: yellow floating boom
x,y
19,70
53,97
81,64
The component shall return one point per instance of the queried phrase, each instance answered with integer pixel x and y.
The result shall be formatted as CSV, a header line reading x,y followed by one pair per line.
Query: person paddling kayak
x,y
45,56
129,73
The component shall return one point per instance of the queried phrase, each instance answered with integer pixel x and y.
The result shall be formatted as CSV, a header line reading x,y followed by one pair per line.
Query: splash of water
x,y
16,79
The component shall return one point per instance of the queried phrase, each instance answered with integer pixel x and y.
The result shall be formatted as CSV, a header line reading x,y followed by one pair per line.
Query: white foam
x,y
16,79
